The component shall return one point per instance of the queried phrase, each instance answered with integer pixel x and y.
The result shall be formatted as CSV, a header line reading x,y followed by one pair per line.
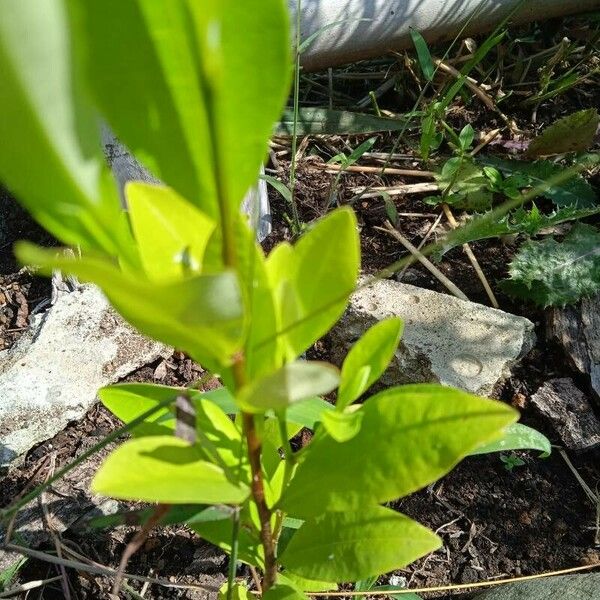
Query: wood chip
x,y
570,413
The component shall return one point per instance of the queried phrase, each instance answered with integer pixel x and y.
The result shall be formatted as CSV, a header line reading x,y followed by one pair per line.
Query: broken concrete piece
x,y
577,329
570,414
568,587
52,374
445,339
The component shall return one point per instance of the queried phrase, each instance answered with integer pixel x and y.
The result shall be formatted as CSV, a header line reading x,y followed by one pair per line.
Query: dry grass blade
x,y
379,170
399,190
451,287
27,587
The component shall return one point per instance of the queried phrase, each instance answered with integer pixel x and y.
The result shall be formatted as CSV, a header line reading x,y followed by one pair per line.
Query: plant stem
x,y
235,530
258,493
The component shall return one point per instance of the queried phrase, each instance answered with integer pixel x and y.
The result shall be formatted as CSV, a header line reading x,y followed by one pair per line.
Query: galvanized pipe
x,y
352,30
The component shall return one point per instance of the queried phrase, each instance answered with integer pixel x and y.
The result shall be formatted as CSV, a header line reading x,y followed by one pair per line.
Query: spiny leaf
x,y
555,273
574,133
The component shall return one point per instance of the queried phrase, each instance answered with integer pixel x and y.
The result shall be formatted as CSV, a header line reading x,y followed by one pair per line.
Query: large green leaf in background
x,y
179,83
168,470
410,436
347,546
202,315
50,155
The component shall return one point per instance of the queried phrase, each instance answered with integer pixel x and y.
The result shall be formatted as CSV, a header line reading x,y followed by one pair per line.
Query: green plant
x,y
511,461
182,265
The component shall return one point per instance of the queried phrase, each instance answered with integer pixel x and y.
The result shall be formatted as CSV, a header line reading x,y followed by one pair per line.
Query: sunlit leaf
x,y
518,437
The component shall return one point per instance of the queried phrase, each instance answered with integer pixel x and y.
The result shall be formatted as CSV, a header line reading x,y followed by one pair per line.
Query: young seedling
x,y
196,99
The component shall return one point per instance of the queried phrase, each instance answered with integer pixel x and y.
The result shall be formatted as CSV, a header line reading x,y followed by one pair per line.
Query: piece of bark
x,y
577,329
570,413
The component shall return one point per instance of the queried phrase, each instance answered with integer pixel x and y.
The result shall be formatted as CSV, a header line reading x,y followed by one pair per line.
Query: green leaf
x,y
8,574
281,187
518,437
466,137
342,426
552,273
423,54
307,585
465,183
521,220
368,359
238,592
401,595
321,274
219,530
188,102
54,161
573,133
292,383
168,470
281,591
321,121
204,315
170,232
127,401
346,546
575,192
410,436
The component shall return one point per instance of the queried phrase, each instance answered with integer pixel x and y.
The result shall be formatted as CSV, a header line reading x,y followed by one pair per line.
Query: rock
x,y
52,374
568,587
570,413
577,329
445,340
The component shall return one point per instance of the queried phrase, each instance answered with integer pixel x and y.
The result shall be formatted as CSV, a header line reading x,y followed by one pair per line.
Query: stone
x,y
566,587
51,375
570,413
445,339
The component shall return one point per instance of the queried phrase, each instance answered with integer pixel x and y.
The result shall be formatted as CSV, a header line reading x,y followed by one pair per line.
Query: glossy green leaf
x,y
346,546
218,531
518,437
204,315
292,383
52,158
342,426
368,359
410,436
130,400
320,121
324,275
306,585
573,133
423,54
168,470
282,591
238,592
170,232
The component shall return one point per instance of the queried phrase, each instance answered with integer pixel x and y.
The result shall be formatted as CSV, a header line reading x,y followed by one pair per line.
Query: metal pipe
x,y
351,30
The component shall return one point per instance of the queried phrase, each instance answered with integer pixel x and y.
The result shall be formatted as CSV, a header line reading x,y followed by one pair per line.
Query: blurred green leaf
x,y
292,383
202,315
51,157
